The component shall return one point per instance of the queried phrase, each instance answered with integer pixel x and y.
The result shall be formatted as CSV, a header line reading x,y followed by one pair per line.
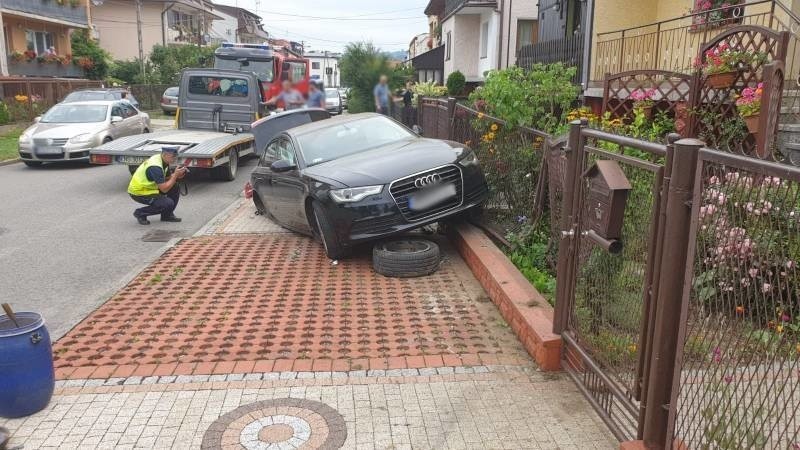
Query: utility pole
x,y
139,33
3,49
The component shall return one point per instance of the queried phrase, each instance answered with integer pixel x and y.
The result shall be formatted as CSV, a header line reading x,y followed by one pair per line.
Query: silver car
x,y
67,131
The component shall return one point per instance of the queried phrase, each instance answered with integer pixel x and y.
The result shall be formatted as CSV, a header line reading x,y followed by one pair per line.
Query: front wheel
x,y
324,230
228,171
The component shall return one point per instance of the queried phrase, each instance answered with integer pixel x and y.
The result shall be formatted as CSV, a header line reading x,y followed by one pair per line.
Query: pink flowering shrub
x,y
717,12
749,103
643,98
724,58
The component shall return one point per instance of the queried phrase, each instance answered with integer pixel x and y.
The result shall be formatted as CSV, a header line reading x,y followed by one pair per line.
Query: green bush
x,y
166,63
540,97
455,83
5,117
128,72
83,46
362,65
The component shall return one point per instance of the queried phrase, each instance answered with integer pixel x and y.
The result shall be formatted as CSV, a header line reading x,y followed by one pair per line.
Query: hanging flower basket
x,y
752,123
721,80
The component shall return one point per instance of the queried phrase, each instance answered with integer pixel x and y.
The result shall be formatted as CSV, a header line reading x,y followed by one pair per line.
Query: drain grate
x,y
161,235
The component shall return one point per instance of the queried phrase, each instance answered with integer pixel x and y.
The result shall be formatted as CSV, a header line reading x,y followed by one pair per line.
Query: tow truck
x,y
219,115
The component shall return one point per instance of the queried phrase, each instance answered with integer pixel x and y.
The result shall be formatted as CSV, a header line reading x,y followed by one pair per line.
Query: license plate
x,y
431,197
131,160
49,150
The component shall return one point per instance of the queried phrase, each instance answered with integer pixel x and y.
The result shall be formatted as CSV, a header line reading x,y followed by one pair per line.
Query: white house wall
x,y
490,61
224,30
517,10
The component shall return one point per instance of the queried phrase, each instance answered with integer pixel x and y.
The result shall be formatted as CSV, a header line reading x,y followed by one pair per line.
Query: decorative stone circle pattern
x,y
286,423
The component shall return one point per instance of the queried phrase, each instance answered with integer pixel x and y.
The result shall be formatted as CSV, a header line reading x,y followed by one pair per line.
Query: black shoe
x,y
170,219
142,220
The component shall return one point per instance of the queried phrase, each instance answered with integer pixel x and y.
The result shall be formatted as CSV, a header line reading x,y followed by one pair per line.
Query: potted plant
x,y
17,57
723,63
749,106
643,100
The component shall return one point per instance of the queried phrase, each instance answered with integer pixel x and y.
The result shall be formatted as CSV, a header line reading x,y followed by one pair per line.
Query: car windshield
x,y
263,69
88,96
75,114
331,93
349,138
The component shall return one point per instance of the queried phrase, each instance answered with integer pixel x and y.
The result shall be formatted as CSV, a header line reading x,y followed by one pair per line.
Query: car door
x,y
117,130
131,120
288,190
262,175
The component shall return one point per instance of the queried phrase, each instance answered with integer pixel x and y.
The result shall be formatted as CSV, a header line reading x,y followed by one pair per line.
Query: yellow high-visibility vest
x,y
139,184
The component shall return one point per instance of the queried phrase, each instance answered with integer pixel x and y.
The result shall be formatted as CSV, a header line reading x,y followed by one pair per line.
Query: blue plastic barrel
x,y
27,377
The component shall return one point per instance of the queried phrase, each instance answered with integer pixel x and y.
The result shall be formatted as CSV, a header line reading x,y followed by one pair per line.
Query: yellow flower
x,y
490,136
779,328
632,348
21,98
481,115
493,127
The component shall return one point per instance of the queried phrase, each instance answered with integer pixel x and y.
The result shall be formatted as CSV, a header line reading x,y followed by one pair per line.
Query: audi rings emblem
x,y
428,180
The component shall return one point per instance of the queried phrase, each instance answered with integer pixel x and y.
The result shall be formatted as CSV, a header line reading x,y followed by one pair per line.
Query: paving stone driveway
x,y
240,340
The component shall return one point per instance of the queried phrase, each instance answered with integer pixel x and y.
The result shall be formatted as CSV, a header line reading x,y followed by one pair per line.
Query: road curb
x,y
9,162
217,220
521,305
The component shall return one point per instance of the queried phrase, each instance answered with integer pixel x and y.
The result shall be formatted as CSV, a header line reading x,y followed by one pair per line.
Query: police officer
x,y
154,186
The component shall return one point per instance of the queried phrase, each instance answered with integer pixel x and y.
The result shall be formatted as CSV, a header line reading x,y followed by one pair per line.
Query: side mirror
x,y
282,166
116,119
37,119
417,130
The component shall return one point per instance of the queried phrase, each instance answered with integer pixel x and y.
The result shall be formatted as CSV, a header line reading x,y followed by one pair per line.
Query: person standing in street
x,y
382,95
316,97
153,185
408,104
291,97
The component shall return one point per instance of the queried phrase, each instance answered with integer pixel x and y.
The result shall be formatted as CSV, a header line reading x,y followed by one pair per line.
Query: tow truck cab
x,y
271,68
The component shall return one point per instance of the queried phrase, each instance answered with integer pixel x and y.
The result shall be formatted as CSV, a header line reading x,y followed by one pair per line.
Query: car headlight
x,y
25,138
81,138
469,158
350,195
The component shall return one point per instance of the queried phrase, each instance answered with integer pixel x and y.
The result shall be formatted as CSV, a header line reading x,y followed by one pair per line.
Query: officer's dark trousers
x,y
163,204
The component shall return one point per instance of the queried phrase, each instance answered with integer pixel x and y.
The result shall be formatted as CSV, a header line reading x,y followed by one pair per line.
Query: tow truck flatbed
x,y
198,148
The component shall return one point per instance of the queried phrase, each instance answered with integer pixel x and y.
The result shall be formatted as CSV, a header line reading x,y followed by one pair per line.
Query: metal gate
x,y
435,114
605,283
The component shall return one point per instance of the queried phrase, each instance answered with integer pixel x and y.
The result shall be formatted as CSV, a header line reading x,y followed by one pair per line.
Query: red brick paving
x,y
275,302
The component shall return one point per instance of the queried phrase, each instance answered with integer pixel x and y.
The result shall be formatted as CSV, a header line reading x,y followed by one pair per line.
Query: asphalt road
x,y
68,237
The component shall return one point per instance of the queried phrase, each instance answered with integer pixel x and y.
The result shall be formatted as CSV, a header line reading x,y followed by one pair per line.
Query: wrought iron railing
x,y
673,44
569,50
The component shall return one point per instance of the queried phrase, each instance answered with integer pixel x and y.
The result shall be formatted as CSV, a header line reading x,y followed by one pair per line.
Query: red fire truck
x,y
271,67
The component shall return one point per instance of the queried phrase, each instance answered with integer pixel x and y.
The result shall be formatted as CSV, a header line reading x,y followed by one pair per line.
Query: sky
x,y
331,24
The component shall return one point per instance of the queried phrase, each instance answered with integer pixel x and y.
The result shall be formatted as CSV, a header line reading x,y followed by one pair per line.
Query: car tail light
x,y
100,159
204,162
164,100
248,190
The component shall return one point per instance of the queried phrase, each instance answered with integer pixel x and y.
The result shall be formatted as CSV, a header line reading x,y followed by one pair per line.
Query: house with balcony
x,y
237,25
36,37
164,22
476,36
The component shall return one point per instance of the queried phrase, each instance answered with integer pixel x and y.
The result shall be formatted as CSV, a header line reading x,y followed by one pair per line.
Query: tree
x,y
167,62
455,83
362,65
84,48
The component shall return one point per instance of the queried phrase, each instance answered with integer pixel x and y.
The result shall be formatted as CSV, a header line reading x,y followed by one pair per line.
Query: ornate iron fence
x,y
738,376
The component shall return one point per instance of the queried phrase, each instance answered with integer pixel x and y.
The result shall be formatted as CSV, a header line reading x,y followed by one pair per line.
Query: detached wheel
x,y
406,258
228,171
326,234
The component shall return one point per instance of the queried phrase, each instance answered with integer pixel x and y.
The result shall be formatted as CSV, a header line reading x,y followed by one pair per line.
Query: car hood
x,y
65,130
387,163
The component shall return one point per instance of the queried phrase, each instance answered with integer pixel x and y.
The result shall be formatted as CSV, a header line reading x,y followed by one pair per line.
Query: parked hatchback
x,y
67,131
333,101
169,100
98,94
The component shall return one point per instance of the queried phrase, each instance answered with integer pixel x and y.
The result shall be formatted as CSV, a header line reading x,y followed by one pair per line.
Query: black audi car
x,y
362,177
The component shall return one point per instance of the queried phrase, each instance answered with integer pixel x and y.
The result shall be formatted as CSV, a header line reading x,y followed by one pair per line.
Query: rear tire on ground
x,y
32,163
406,258
324,230
228,171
